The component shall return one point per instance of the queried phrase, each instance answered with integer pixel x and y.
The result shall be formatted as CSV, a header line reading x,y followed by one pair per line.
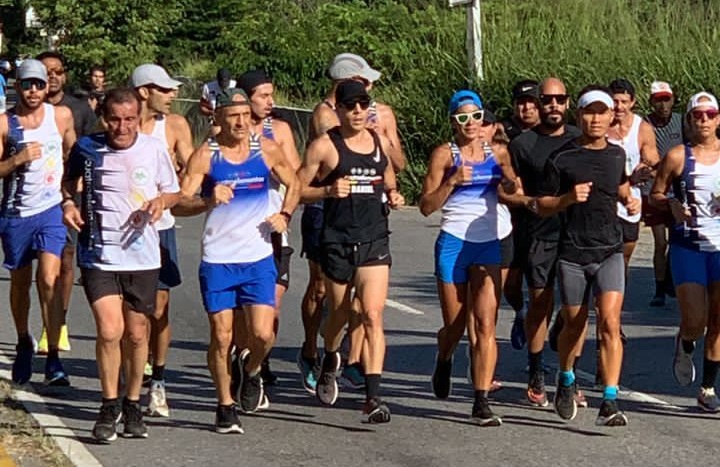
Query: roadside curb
x,y
53,426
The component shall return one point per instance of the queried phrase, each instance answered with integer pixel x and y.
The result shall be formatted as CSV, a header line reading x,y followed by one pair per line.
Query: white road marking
x,y
64,437
629,394
404,308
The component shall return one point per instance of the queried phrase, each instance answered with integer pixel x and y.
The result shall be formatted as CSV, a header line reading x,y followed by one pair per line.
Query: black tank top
x,y
362,216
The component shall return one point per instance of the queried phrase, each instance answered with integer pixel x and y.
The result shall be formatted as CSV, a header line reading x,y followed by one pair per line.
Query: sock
x,y
688,346
53,353
24,338
566,378
481,396
113,401
710,372
659,288
535,361
158,372
126,400
329,363
372,386
610,393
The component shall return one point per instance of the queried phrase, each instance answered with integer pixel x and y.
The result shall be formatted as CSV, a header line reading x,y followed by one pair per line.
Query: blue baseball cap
x,y
464,97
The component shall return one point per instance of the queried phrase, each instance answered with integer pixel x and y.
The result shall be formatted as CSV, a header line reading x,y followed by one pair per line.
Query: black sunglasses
x,y
350,104
27,84
546,99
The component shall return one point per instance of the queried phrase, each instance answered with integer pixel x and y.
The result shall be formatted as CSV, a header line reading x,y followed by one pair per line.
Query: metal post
x,y
474,40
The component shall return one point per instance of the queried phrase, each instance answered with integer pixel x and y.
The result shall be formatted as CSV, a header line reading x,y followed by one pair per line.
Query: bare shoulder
x,y
177,121
63,113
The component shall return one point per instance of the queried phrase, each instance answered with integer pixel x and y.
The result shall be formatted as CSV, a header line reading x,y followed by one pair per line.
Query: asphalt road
x,y
665,426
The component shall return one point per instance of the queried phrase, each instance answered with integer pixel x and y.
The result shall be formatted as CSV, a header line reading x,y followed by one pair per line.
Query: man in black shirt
x,y
530,151
585,179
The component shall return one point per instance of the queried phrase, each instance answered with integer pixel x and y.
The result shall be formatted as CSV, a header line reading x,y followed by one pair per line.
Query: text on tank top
x,y
237,232
631,144
698,188
361,217
34,187
472,211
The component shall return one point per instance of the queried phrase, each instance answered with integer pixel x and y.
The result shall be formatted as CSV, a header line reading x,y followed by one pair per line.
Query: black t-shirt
x,y
590,231
529,152
83,115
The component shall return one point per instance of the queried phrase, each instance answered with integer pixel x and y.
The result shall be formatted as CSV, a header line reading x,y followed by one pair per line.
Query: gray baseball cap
x,y
346,66
149,73
32,69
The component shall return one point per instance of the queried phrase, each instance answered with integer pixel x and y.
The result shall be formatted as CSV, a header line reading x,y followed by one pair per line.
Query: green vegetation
x,y
417,44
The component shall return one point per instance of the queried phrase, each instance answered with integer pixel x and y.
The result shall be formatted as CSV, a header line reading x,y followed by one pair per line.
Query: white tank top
x,y
34,187
167,221
631,145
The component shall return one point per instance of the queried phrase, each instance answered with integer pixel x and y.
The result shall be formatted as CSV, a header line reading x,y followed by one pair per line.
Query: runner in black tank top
x,y
358,186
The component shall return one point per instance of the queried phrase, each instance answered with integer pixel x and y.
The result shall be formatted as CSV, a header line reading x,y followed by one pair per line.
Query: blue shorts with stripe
x,y
23,238
226,286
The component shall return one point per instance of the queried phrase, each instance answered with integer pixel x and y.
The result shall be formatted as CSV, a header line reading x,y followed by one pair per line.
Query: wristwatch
x,y
533,205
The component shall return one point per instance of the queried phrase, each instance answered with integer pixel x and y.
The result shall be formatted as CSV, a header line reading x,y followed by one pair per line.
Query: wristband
x,y
286,215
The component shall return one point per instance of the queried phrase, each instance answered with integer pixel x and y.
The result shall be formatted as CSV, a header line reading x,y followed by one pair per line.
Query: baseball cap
x,y
593,96
621,85
252,79
463,97
227,98
350,91
32,69
5,65
702,98
489,116
660,88
149,73
525,88
346,66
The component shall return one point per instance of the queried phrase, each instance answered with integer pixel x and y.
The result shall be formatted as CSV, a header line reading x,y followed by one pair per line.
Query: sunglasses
x,y
710,114
350,105
56,72
27,84
464,118
546,99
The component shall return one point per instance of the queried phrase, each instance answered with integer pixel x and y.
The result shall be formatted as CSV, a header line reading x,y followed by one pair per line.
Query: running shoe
x,y
353,376
310,371
269,378
517,333
554,332
55,373
657,301
580,399
237,371
495,385
565,405
64,342
134,426
610,415
683,366
708,401
22,366
484,416
327,387
251,393
158,406
105,428
227,420
536,394
376,411
42,345
264,403
441,378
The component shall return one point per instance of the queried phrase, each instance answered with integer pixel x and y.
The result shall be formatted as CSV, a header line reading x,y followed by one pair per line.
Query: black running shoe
x,y
441,378
269,378
482,414
565,404
133,420
376,411
554,332
610,415
227,420
251,393
327,386
105,429
536,394
236,372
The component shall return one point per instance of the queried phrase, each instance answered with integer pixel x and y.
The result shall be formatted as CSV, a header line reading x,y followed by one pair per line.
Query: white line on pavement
x,y
404,308
629,394
52,425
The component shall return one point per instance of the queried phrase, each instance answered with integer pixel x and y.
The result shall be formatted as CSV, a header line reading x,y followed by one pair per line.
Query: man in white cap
x,y
584,181
35,137
668,126
381,119
157,91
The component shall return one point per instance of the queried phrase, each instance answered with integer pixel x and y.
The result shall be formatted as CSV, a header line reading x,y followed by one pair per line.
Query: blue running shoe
x,y
353,376
22,366
55,373
310,371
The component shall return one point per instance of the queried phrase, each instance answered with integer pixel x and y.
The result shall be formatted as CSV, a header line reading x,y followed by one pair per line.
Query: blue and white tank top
x,y
34,187
631,145
236,232
472,212
699,189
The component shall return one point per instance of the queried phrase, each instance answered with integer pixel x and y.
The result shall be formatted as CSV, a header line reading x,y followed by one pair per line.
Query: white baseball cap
x,y
660,88
149,73
31,69
346,66
702,99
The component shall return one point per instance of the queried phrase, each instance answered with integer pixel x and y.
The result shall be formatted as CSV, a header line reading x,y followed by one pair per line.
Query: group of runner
x,y
572,196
